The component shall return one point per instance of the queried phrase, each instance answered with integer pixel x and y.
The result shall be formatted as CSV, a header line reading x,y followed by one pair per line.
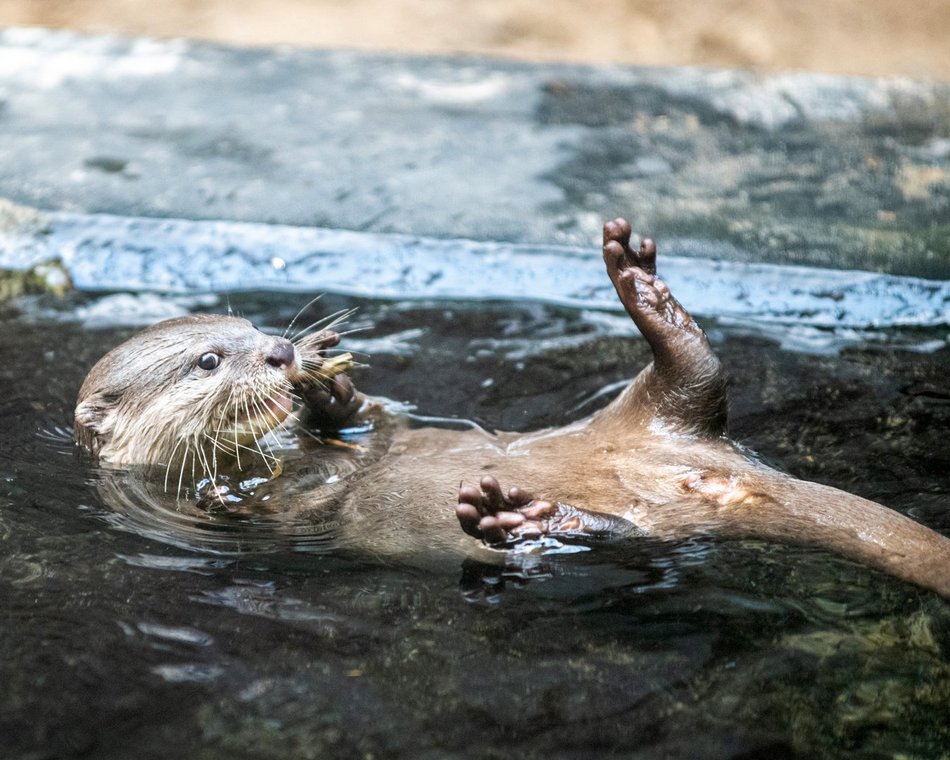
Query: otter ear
x,y
94,420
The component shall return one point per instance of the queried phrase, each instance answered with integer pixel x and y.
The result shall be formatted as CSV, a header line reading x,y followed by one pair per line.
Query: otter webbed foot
x,y
498,517
659,316
685,386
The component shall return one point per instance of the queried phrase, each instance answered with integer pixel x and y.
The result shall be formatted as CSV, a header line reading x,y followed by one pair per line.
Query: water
x,y
143,635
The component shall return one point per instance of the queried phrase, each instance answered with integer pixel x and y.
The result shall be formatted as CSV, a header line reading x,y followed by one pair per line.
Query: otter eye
x,y
209,361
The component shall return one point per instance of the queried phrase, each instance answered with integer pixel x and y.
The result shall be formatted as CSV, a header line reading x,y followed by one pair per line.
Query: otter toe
x,y
618,230
614,254
538,510
491,490
646,257
618,253
469,518
470,495
491,530
518,497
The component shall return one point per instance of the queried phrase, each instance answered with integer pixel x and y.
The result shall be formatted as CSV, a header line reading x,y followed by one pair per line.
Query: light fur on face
x,y
192,392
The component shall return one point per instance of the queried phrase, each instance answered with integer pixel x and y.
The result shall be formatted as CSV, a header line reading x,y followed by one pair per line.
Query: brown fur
x,y
655,461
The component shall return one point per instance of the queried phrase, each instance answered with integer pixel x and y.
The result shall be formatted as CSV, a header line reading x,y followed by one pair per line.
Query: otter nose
x,y
280,354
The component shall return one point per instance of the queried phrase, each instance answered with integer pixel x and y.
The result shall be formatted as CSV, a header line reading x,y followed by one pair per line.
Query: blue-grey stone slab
x,y
794,168
104,252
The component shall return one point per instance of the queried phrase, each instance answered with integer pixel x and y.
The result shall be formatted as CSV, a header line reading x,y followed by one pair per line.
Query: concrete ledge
x,y
818,170
173,256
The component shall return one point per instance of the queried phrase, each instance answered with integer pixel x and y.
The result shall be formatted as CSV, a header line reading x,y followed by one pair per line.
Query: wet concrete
x,y
98,252
798,168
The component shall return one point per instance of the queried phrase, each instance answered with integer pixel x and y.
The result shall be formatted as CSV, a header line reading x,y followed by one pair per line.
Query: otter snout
x,y
281,354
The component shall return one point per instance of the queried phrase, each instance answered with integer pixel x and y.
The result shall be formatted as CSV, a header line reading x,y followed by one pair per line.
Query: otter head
x,y
201,387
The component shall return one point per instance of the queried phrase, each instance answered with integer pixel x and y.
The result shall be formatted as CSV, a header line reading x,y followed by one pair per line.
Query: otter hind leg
x,y
684,387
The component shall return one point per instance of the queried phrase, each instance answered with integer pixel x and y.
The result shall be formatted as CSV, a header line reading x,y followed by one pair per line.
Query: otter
x,y
195,394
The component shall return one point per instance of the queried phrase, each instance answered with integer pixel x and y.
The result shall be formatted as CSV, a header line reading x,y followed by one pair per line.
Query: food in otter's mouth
x,y
334,365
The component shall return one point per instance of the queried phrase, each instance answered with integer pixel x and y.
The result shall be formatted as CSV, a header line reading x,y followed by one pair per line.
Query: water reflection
x,y
249,517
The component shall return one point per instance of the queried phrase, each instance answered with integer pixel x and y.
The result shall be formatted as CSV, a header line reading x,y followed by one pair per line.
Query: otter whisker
x,y
315,368
194,461
207,471
300,311
269,460
214,457
310,434
335,320
265,412
325,323
181,472
310,347
211,468
328,365
280,420
257,445
338,350
188,451
237,449
352,330
215,437
271,441
314,330
313,375
277,422
191,446
228,450
223,431
168,465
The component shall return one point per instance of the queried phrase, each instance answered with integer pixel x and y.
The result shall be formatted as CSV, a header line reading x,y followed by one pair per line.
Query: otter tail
x,y
803,512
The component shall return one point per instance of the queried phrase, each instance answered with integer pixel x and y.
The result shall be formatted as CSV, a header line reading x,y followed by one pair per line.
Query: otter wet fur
x,y
191,394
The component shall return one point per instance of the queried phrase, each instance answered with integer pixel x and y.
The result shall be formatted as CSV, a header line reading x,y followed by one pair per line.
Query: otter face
x,y
201,387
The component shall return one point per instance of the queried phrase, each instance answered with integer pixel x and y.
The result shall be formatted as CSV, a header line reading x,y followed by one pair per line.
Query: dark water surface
x,y
126,637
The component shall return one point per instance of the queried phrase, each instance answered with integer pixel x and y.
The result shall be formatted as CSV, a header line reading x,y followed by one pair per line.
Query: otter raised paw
x,y
498,518
685,385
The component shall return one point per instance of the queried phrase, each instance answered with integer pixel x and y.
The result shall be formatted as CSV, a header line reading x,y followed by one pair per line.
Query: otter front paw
x,y
495,517
322,384
498,518
331,404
